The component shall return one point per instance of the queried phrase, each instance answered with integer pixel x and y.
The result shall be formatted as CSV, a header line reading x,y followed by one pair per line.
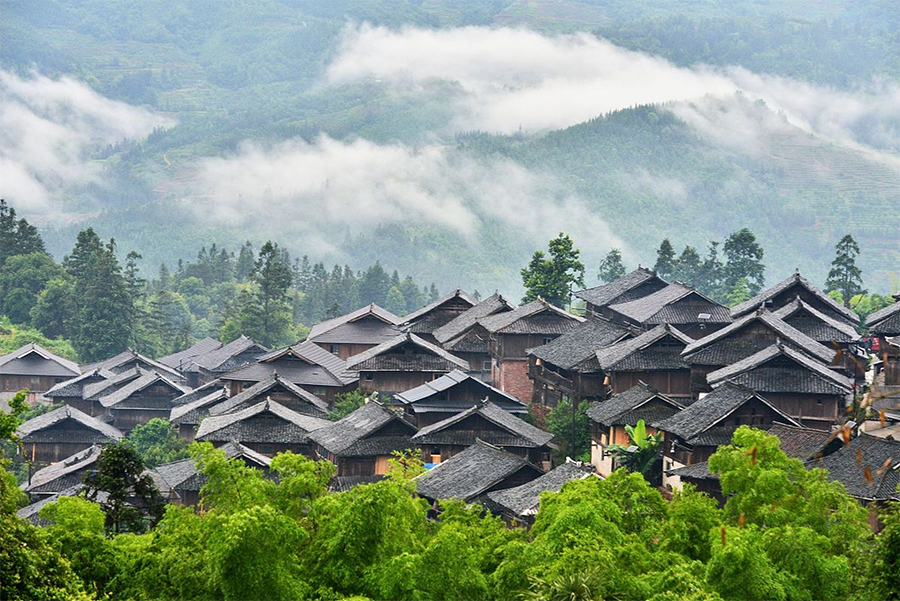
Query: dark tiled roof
x,y
753,372
848,468
799,281
523,501
536,317
656,349
815,324
427,357
66,412
696,471
63,474
198,393
345,483
95,390
182,358
618,290
456,296
32,360
183,476
800,443
459,325
31,512
471,472
705,413
885,321
146,379
74,388
349,435
676,303
516,432
373,311
438,394
475,340
226,357
267,421
196,410
116,363
580,344
721,348
251,396
626,407
306,364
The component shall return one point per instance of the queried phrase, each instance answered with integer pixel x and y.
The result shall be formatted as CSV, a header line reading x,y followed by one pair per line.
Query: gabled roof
x,y
715,348
67,412
371,310
248,396
704,414
224,357
460,324
475,340
820,379
380,358
471,472
816,325
523,501
194,411
794,280
183,475
198,393
294,427
426,393
576,347
636,354
525,320
630,406
95,390
332,370
622,289
75,386
146,379
518,433
801,443
63,472
885,321
660,307
114,363
53,365
417,319
349,436
848,466
181,359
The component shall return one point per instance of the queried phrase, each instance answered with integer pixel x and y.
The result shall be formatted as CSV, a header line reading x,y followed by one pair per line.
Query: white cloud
x,y
47,130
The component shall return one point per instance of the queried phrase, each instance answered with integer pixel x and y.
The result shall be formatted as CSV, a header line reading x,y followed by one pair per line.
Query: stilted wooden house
x,y
609,418
62,475
355,332
129,360
267,428
467,339
34,369
476,471
361,443
208,366
61,433
182,359
885,326
634,285
401,363
71,392
514,332
568,365
848,465
839,336
809,392
146,397
695,432
451,394
278,389
519,505
653,357
186,417
491,424
689,310
305,364
784,292
437,314
93,392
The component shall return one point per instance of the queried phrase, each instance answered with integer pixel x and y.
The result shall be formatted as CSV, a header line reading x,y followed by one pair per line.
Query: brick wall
x,y
512,377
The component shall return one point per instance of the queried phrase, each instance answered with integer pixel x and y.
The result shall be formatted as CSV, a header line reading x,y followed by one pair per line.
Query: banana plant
x,y
642,455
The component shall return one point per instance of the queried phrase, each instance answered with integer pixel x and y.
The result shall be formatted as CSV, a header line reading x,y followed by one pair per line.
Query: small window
x,y
369,376
266,449
547,340
486,365
335,349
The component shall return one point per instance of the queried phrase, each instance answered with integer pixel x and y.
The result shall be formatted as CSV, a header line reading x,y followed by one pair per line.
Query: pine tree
x,y
689,267
611,267
743,256
665,260
244,267
845,277
552,277
17,236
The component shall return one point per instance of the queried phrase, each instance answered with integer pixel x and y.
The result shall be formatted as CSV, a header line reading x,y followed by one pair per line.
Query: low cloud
x,y
48,128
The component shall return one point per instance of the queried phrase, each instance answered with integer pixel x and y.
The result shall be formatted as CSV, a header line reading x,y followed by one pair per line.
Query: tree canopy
x,y
552,277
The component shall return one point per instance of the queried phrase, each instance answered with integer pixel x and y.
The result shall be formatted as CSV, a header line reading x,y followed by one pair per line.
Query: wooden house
x,y
71,392
355,332
839,336
305,364
568,365
62,475
129,360
885,326
401,363
491,424
182,359
276,388
180,482
799,386
437,314
207,366
695,432
634,285
519,505
92,392
480,469
748,335
849,463
146,397
361,443
451,394
186,417
267,428
467,339
609,418
514,332
690,311
784,292
653,357
61,433
34,369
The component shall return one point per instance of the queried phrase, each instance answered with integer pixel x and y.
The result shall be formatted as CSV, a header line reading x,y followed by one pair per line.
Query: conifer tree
x,y
845,277
743,256
665,260
17,236
611,267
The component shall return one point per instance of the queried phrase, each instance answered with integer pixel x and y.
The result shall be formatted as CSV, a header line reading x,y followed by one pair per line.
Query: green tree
x,y
394,302
157,443
17,236
689,267
739,294
54,307
22,278
346,403
611,267
883,571
665,260
552,277
568,426
120,474
642,455
743,256
845,277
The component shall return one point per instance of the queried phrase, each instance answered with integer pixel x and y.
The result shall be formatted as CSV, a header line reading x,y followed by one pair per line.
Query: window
x,y
369,376
547,340
486,365
335,349
266,449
